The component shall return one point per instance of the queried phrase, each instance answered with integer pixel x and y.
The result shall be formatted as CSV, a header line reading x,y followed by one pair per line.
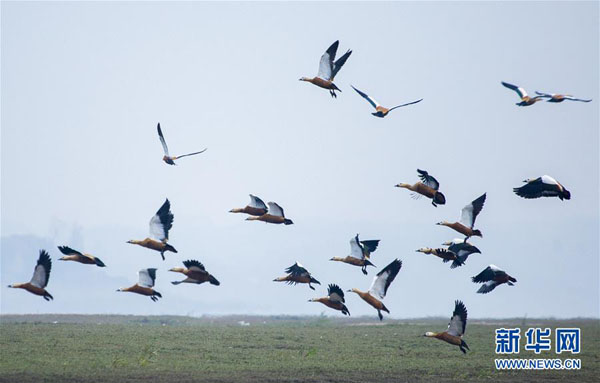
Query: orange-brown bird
x,y
39,281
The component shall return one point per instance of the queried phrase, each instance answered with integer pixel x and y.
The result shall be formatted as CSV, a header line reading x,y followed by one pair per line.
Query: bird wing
x,y
469,213
369,246
257,203
576,99
545,95
458,321
297,270
326,63
41,272
335,293
462,249
384,278
355,249
367,97
275,209
428,180
66,250
544,186
161,222
408,103
162,140
339,63
487,287
194,265
146,277
520,91
189,154
488,274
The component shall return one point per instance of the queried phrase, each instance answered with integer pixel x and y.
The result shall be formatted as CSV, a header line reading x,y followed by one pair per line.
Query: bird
x,y
428,187
146,279
171,159
461,248
467,219
445,254
334,299
544,186
39,281
456,328
525,99
274,215
195,273
381,111
360,252
379,287
554,97
297,274
491,277
328,69
256,207
74,255
160,224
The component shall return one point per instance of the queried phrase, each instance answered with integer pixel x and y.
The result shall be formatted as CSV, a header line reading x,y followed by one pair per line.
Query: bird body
x,y
328,69
544,186
467,221
525,99
456,328
160,224
381,111
491,277
556,98
444,254
146,279
334,299
76,256
256,207
297,274
428,187
462,249
360,252
39,280
195,273
274,215
170,160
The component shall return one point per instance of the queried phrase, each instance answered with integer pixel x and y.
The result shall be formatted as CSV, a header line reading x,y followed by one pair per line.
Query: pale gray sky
x,y
84,84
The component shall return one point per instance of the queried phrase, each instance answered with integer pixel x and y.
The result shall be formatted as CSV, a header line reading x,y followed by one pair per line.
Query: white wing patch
x,y
455,326
466,216
257,203
549,180
355,249
378,286
275,209
145,280
39,277
157,230
325,66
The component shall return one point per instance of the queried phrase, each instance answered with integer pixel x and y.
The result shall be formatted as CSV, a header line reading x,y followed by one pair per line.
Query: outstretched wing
x,y
488,274
66,250
540,187
339,63
194,265
369,246
544,95
257,203
366,97
384,278
162,140
275,209
41,272
190,154
335,293
297,270
355,249
520,91
576,99
408,103
146,277
326,63
428,180
458,321
469,213
162,222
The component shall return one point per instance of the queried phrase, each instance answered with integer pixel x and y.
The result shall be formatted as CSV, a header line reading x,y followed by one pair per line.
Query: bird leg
x,y
162,254
311,286
380,315
364,270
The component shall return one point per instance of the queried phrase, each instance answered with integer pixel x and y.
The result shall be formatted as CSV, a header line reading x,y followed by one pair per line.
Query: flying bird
x,y
491,277
360,253
74,255
39,281
195,273
544,186
334,299
146,279
525,99
445,254
461,248
456,328
256,207
381,111
467,219
274,215
379,287
171,159
553,97
328,69
297,274
428,187
160,224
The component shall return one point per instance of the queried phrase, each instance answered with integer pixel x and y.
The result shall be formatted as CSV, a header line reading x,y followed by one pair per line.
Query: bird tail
x,y
170,248
157,294
99,263
176,282
213,281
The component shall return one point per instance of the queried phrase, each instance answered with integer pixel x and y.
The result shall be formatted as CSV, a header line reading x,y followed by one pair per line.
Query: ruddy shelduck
x,y
274,215
379,287
556,98
445,254
381,111
195,273
256,207
328,69
160,224
525,99
334,299
297,274
467,220
491,277
428,187
461,248
544,186
456,328
76,256
167,158
146,279
39,281
360,252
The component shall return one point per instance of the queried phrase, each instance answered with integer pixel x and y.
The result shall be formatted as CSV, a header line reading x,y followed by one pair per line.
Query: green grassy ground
x,y
153,349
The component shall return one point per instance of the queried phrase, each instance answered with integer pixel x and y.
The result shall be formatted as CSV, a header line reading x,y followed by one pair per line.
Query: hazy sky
x,y
84,84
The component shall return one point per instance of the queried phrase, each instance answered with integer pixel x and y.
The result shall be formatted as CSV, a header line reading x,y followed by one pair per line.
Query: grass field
x,y
265,349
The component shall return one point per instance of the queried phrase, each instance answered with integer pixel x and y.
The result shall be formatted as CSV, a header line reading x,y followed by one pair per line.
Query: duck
x,y
195,273
360,253
274,215
297,274
328,69
160,224
491,277
544,186
74,255
456,328
467,220
445,254
379,287
146,279
41,275
525,99
256,207
428,187
461,248
170,160
381,111
334,299
556,98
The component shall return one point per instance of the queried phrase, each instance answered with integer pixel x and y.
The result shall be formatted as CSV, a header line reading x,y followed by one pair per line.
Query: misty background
x,y
83,86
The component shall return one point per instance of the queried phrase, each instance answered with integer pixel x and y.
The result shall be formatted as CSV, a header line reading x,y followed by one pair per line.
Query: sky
x,y
83,86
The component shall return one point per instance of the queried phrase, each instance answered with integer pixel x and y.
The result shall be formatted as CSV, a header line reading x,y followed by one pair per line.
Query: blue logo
x,y
568,339
507,340
538,340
